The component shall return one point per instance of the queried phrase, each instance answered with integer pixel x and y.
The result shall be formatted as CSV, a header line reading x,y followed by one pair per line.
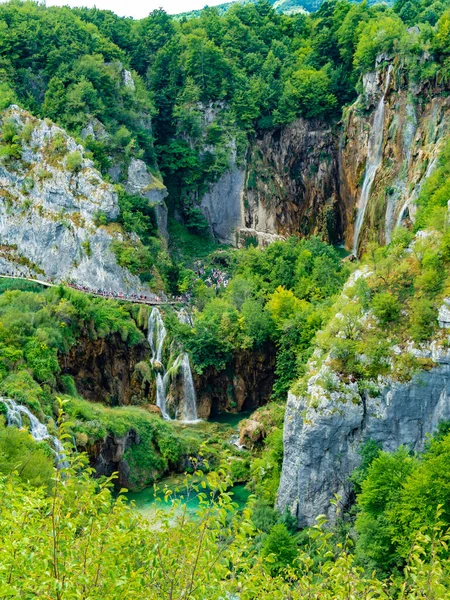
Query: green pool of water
x,y
148,502
231,419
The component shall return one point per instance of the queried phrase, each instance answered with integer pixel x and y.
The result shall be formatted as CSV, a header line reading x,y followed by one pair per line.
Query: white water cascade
x,y
409,200
190,399
374,158
38,430
156,336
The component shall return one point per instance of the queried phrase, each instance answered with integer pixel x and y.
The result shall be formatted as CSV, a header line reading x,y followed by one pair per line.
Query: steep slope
x,y
380,371
414,122
51,202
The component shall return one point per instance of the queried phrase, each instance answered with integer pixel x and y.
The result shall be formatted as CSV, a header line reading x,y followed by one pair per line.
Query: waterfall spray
x,y
156,336
373,163
190,400
38,430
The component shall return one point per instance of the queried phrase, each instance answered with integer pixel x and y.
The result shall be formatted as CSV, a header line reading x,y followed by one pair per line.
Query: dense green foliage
x,y
35,327
19,453
279,295
248,69
401,494
78,540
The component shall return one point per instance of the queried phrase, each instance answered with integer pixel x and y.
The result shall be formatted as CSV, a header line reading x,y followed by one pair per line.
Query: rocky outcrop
x,y
50,200
332,411
307,178
321,444
105,371
251,432
245,384
415,122
141,182
107,457
292,183
222,205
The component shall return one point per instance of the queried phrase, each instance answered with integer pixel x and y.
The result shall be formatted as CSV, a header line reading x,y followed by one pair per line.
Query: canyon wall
x,y
50,200
416,119
321,444
307,178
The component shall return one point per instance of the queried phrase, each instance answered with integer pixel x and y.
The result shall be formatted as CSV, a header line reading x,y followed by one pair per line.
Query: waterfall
x,y
408,200
38,430
400,184
374,158
156,336
190,400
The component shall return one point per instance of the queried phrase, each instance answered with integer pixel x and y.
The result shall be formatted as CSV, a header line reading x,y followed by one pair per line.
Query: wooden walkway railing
x,y
124,298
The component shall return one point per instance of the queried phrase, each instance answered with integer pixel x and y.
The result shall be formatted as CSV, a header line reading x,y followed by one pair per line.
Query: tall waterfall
x,y
190,399
156,336
374,158
38,430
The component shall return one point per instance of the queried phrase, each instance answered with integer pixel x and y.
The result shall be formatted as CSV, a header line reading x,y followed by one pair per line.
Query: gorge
x,y
224,287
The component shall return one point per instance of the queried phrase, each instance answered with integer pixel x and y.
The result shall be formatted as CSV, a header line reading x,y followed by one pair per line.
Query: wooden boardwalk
x,y
148,301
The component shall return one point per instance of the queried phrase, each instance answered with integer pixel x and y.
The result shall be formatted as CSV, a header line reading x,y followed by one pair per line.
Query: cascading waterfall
x,y
400,185
374,158
156,336
38,430
190,399
408,201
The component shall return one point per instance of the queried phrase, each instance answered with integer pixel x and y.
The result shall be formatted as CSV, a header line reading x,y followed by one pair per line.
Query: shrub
x,y
386,307
74,161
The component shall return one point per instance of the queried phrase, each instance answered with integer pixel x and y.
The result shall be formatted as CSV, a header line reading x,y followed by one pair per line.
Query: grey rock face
x,y
222,205
444,314
48,213
321,444
292,183
141,182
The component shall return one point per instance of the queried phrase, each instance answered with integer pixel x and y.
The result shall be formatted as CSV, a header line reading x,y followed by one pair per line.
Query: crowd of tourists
x,y
213,277
147,298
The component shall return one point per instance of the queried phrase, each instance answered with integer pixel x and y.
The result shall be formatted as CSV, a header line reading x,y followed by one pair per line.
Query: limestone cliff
x,y
288,184
310,177
321,443
292,183
333,411
104,370
414,122
50,200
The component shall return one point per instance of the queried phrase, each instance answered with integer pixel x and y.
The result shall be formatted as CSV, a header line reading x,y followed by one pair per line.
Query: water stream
x,y
373,163
156,336
38,431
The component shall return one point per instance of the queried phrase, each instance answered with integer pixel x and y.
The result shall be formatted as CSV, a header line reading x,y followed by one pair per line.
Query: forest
x,y
187,95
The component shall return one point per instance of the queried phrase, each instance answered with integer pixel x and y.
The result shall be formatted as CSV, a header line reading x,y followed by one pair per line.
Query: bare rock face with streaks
x,y
141,182
321,444
50,200
416,120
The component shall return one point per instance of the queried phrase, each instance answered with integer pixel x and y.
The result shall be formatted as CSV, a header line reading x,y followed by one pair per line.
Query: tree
x,y
279,549
380,492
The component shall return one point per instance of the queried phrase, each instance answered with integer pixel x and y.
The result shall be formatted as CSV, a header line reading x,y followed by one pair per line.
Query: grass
x,y
186,247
